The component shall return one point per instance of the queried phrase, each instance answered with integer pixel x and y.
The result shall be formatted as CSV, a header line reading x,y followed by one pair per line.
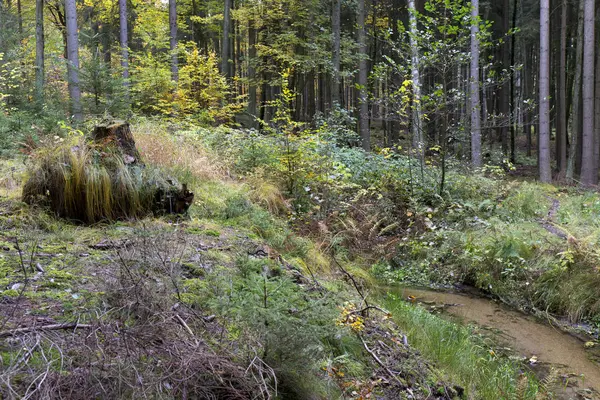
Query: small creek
x,y
524,334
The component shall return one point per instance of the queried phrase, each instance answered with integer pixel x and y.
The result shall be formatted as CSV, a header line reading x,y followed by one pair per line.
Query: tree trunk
x,y
597,110
225,70
173,40
336,28
576,102
251,69
363,115
39,51
561,114
504,106
588,174
124,46
73,59
544,91
475,101
417,128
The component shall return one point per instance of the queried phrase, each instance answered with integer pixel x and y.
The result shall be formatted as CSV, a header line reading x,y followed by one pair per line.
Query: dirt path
x,y
549,224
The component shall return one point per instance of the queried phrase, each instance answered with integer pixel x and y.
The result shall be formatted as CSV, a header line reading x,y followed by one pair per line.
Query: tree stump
x,y
118,134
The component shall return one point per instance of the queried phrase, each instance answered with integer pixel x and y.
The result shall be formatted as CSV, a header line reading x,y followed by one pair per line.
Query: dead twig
x,y
378,360
53,327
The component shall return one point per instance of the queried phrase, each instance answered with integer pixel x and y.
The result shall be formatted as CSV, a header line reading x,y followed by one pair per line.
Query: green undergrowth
x,y
248,270
462,354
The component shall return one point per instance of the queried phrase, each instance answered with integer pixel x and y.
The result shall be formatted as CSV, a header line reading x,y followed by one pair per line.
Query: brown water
x,y
525,335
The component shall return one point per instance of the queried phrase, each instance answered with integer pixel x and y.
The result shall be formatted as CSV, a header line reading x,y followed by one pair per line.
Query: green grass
x,y
461,356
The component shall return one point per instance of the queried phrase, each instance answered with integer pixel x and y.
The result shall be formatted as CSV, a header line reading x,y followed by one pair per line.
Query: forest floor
x,y
233,301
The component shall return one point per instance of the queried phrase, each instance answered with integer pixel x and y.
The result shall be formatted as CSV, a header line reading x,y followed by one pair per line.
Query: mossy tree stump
x,y
103,178
118,134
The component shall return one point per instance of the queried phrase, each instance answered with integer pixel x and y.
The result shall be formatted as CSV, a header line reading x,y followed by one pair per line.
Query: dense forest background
x,y
478,82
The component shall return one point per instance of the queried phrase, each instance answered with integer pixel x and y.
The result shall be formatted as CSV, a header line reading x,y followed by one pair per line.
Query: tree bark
x,y
544,92
588,174
39,51
417,128
363,116
251,69
336,29
225,69
561,114
73,59
124,46
576,102
173,40
475,101
597,110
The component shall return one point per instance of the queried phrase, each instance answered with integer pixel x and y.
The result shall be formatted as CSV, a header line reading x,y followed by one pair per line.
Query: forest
x,y
299,199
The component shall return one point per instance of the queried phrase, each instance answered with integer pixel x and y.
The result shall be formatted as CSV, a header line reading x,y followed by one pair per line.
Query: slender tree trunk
x,y
225,69
504,106
544,88
588,174
124,46
39,51
417,128
513,103
251,69
173,40
336,29
363,116
597,109
561,124
576,102
73,59
475,102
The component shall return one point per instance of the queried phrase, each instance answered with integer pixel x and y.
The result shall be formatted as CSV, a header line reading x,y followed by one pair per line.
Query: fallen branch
x,y
53,327
378,360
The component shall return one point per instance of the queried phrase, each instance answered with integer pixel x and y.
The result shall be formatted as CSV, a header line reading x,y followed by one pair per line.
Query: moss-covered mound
x,y
101,178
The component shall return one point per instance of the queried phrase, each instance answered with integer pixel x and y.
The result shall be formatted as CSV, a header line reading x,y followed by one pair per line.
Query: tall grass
x,y
461,356
85,184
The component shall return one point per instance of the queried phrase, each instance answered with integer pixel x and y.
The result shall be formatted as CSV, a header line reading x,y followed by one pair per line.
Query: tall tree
x,y
39,51
173,40
73,58
225,52
588,173
561,112
124,44
575,144
417,129
475,102
363,99
336,30
544,92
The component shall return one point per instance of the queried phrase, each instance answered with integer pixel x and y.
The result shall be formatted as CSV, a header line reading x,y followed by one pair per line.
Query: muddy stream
x,y
545,346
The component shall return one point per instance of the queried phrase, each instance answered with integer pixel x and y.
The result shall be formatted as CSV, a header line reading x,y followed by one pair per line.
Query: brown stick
x,y
52,327
378,360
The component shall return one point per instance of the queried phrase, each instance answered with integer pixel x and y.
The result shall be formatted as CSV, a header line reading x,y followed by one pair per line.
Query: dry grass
x,y
164,150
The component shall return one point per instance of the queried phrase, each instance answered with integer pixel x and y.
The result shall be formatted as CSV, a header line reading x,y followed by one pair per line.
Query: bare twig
x,y
354,283
53,327
378,360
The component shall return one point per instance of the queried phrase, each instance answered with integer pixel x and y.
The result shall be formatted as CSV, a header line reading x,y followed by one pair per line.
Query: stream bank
x,y
559,359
